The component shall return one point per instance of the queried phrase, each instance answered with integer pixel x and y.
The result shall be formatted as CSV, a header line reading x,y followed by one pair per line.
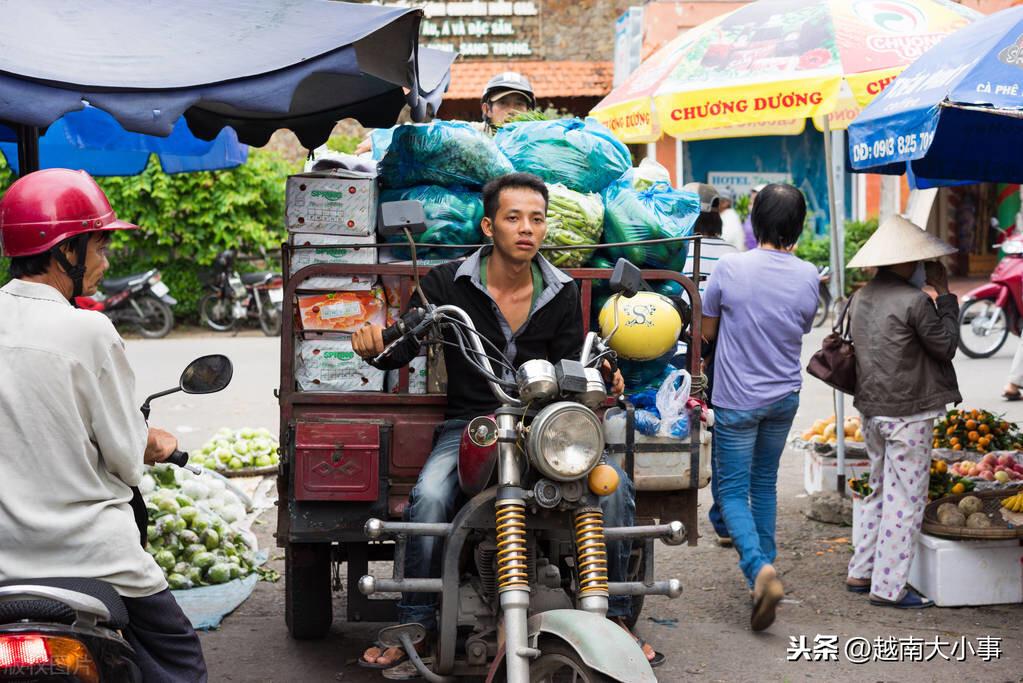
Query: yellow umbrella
x,y
775,60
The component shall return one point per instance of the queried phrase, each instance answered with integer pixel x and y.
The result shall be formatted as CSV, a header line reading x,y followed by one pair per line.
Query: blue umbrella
x,y
253,65
92,140
955,114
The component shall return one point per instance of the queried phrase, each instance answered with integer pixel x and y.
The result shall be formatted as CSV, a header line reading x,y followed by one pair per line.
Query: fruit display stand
x,y
820,462
977,564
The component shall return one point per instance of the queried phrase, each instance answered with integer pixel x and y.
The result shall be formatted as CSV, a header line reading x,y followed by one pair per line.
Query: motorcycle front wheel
x,y
269,316
215,311
983,328
559,663
823,308
157,318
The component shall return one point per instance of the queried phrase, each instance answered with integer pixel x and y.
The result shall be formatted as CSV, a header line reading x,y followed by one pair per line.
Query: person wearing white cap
x,y
731,224
904,343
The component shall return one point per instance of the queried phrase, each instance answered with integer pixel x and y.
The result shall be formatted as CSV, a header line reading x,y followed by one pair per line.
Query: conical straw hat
x,y
899,241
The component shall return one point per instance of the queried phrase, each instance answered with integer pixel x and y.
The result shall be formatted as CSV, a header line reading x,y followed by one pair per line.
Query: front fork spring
x,y
512,565
591,551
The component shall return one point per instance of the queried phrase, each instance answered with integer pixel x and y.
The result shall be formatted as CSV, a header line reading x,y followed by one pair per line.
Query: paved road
x,y
709,639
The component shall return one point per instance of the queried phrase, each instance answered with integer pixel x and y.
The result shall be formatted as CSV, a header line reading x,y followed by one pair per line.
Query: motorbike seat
x,y
42,609
256,278
116,284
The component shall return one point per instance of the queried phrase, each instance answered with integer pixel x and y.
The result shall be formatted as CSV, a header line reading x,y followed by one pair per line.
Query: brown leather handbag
x,y
835,363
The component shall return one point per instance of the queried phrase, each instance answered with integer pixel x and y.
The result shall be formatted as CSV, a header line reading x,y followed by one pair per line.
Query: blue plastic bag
x,y
447,153
658,212
453,216
582,155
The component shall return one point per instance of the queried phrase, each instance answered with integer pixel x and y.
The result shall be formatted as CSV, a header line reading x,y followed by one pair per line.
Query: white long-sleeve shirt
x,y
72,441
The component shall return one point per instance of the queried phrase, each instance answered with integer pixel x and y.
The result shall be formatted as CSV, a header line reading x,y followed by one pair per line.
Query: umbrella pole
x,y
28,149
837,247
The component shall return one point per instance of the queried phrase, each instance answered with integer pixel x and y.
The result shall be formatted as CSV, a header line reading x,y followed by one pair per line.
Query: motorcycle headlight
x,y
565,441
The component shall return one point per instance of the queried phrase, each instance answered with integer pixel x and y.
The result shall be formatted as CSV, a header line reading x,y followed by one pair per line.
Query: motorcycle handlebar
x,y
178,457
403,325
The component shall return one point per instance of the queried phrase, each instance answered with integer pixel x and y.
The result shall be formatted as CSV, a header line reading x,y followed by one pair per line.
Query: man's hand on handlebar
x,y
160,446
368,341
616,379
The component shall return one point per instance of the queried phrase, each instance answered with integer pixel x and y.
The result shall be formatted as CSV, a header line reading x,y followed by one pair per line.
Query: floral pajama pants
x,y
886,523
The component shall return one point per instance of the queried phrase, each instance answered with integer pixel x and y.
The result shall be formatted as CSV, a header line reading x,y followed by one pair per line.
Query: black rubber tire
x,y
637,600
153,308
823,308
270,318
308,600
555,652
206,306
962,321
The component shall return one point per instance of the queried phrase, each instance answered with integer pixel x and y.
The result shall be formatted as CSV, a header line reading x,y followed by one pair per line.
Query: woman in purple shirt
x,y
758,305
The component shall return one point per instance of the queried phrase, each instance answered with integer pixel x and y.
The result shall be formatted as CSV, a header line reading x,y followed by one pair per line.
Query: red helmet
x,y
42,209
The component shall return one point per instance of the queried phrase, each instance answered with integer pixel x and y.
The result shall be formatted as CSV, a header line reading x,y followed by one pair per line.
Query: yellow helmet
x,y
648,325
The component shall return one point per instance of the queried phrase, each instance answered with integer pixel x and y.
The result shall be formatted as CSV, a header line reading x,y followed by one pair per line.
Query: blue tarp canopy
x,y
955,114
253,65
94,141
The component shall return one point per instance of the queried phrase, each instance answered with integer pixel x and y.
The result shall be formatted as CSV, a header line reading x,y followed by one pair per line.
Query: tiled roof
x,y
549,79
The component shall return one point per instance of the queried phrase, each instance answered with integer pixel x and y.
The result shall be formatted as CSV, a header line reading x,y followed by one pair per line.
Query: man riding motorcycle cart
x,y
72,440
525,309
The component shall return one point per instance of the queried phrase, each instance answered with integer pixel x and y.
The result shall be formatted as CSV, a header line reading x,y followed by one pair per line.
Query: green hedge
x,y
186,219
817,250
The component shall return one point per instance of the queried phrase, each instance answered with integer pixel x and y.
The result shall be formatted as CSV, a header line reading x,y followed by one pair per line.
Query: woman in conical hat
x,y
904,342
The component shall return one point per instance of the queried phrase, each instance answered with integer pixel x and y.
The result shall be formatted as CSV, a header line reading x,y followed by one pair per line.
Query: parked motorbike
x,y
526,556
990,312
142,301
823,296
236,297
68,628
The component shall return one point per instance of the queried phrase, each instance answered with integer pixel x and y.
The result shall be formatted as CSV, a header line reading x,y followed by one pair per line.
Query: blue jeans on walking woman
x,y
747,447
436,498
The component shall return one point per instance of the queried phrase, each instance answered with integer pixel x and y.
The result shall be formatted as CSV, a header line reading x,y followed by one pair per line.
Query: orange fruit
x,y
971,424
959,488
954,441
974,414
937,432
936,444
957,447
973,436
984,429
941,466
984,441
950,431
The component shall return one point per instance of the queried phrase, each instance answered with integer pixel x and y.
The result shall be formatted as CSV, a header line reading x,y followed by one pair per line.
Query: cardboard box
x,y
336,203
342,311
332,365
416,377
956,573
326,252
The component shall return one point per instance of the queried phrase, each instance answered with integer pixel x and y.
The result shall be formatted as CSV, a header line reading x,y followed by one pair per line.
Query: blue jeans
x,y
435,499
747,447
717,520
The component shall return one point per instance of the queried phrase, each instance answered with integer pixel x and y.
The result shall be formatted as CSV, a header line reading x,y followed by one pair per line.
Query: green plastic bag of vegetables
x,y
447,153
572,218
584,155
657,212
453,216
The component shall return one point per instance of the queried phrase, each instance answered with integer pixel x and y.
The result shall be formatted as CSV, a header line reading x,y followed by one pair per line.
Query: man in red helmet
x,y
72,439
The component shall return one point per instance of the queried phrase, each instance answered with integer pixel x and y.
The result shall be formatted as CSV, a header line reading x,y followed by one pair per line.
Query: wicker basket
x,y
992,501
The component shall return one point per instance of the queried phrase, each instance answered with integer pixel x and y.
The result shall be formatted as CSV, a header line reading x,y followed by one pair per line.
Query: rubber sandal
x,y
659,657
857,588
1008,396
406,671
725,541
911,600
376,665
765,607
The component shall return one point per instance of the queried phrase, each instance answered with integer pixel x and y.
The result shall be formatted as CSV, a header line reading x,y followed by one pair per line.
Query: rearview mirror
x,y
207,375
396,217
626,279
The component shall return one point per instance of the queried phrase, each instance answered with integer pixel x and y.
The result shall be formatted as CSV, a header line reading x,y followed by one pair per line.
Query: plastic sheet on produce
x,y
206,606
